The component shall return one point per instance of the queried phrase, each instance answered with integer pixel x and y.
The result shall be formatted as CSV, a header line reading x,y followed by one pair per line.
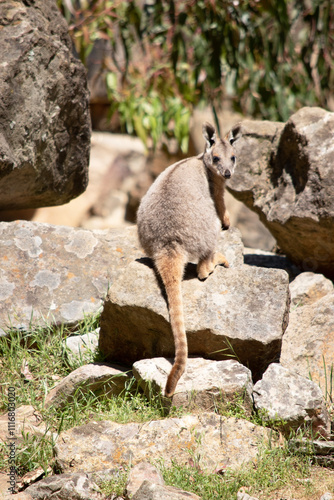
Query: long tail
x,y
171,267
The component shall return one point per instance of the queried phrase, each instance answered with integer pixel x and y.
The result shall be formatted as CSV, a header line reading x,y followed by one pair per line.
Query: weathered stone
x,y
56,274
205,385
295,400
308,343
307,288
224,316
322,451
44,117
81,347
94,377
318,447
144,471
286,174
151,491
108,444
64,487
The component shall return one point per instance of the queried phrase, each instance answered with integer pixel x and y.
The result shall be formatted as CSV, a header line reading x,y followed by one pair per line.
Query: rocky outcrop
x,y
224,316
286,174
44,116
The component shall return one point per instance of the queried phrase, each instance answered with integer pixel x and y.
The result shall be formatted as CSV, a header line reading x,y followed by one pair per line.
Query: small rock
x,y
94,377
31,477
151,491
295,400
80,347
307,288
318,447
144,471
205,385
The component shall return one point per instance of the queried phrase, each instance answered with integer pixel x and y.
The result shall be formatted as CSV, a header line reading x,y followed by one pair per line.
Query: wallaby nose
x,y
227,174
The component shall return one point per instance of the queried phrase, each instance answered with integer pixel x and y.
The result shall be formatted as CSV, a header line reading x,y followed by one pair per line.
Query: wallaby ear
x,y
235,133
209,134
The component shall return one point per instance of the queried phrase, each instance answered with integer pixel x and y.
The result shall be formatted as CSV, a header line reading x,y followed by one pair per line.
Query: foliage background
x,y
269,57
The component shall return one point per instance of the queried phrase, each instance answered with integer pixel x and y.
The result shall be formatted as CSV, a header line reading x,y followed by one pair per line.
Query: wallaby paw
x,y
204,269
226,222
220,260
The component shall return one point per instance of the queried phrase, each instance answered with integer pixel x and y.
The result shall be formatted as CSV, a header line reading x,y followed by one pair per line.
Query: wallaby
x,y
179,220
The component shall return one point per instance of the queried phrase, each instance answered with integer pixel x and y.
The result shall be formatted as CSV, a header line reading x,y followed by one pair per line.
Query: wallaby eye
x,y
233,159
215,159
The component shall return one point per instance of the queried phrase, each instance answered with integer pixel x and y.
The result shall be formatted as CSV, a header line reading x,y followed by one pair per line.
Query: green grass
x,y
43,353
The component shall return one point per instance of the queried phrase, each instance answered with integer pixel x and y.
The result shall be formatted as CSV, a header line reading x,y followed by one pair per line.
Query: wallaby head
x,y
219,155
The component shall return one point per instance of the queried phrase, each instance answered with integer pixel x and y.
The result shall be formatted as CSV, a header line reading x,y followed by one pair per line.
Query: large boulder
x,y
44,115
286,174
240,312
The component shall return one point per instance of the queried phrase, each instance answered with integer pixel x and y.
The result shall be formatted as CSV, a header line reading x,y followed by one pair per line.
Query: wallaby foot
x,y
206,266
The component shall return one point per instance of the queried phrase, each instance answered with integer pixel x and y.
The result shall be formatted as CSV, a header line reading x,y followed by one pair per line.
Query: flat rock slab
x,y
240,311
295,400
82,347
205,385
106,444
94,377
57,274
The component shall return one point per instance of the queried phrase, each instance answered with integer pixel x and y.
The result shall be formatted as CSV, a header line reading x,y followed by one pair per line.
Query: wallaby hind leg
x,y
170,266
206,266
